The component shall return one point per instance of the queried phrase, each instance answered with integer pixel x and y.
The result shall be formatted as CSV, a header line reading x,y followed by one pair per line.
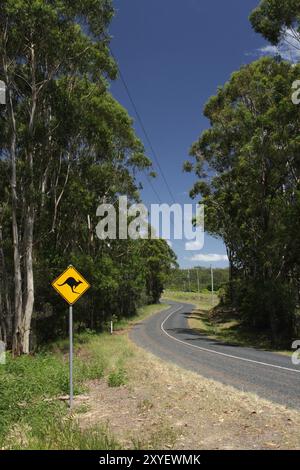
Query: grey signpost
x,y
71,285
71,353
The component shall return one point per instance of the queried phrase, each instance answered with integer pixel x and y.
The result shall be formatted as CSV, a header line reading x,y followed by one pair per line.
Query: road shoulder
x,y
166,407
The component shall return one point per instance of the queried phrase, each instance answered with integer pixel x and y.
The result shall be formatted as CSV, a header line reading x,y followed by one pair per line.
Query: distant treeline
x,y
197,279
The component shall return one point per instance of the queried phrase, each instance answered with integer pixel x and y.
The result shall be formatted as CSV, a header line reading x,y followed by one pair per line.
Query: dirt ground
x,y
165,407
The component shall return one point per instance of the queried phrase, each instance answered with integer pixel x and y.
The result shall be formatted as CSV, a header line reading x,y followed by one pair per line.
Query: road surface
x,y
269,375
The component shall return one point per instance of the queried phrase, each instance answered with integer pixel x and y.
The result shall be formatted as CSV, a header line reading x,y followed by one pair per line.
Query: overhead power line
x,y
153,189
144,131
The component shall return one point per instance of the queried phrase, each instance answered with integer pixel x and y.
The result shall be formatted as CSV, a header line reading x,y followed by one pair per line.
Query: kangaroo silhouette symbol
x,y
72,283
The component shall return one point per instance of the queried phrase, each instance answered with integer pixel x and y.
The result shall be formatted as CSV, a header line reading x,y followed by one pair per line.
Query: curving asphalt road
x,y
269,375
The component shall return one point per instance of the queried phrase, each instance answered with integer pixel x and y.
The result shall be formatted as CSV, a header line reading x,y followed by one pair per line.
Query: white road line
x,y
218,352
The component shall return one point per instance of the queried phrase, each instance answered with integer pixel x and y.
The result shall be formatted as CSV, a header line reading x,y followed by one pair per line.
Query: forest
x,y
66,146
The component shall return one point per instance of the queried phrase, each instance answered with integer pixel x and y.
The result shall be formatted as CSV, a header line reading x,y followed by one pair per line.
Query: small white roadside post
x,y
212,284
197,271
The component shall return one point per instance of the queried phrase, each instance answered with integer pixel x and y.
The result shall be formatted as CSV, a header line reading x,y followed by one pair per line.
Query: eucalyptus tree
x,y
248,167
158,262
41,42
278,21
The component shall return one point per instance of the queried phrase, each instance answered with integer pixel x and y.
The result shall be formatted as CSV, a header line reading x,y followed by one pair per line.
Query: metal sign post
x,y
71,353
71,285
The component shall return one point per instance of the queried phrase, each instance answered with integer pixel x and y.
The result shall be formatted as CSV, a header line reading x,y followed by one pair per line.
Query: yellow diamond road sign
x,y
71,285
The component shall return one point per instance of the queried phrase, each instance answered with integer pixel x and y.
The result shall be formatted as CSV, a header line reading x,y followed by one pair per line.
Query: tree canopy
x,y
66,146
249,169
272,19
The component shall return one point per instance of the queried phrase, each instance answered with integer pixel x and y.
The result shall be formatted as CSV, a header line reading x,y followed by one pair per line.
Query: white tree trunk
x,y
28,311
29,225
17,349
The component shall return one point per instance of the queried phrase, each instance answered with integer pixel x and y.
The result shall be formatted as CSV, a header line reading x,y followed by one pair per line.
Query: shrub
x,y
117,378
267,304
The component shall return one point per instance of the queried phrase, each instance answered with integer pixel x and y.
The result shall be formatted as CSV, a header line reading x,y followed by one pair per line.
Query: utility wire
x,y
153,189
144,130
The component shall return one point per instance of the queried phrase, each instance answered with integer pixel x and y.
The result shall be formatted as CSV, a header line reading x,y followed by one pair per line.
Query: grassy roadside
x,y
143,313
221,324
129,399
33,391
203,300
163,406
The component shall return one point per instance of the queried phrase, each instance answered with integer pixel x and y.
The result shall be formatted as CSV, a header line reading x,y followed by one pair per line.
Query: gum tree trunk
x,y
18,301
29,303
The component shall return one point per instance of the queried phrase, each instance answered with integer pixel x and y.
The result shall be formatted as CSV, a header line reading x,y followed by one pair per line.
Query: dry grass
x,y
133,400
165,407
203,300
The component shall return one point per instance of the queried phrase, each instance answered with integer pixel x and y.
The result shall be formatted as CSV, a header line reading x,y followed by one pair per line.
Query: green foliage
x,y
192,280
31,414
30,387
268,305
159,261
252,149
31,421
272,17
75,149
25,385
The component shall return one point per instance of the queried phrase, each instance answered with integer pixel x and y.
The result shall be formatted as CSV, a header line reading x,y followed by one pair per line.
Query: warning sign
x,y
71,285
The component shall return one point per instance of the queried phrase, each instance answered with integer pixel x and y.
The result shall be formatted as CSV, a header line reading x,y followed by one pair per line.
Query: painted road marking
x,y
218,352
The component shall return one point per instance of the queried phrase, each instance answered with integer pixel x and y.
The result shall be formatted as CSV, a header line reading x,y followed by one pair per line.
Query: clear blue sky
x,y
173,55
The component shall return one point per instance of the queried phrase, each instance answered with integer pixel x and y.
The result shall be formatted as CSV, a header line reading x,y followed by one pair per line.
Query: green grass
x,y
142,313
227,330
31,416
117,378
202,300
